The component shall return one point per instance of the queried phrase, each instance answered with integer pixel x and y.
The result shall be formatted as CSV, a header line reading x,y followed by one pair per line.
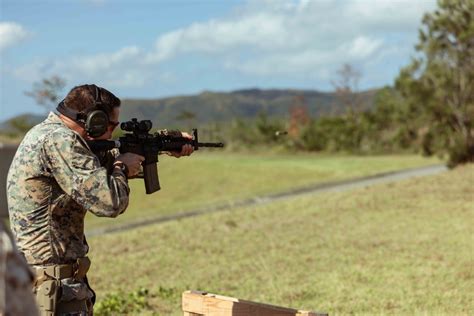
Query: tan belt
x,y
75,270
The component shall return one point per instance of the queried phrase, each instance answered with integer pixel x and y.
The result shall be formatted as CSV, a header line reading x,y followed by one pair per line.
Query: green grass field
x,y
398,248
209,178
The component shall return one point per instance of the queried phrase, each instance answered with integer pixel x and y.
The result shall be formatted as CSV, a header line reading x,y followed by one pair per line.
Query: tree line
x,y
429,109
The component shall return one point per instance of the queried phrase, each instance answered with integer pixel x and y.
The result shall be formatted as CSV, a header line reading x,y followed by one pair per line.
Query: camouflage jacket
x,y
16,296
54,179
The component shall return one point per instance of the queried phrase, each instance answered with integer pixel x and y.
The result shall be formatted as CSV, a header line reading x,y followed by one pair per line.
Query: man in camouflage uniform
x,y
53,181
16,278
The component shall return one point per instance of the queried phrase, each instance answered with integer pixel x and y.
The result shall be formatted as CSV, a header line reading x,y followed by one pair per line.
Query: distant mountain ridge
x,y
27,119
207,107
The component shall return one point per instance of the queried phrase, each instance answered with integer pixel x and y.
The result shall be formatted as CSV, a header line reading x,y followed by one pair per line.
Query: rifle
x,y
139,141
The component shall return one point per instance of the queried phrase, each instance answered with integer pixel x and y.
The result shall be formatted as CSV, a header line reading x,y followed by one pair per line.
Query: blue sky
x,y
148,49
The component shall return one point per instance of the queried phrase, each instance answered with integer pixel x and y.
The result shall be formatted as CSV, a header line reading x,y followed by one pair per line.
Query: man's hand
x,y
132,161
186,150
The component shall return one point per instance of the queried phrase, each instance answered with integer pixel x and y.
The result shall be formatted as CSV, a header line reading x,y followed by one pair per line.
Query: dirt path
x,y
335,186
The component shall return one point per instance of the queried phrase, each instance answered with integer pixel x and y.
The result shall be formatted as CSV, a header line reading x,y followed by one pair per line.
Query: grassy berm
x,y
398,248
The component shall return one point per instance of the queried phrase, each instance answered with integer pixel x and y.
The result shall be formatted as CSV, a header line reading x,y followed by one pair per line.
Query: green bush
x,y
460,152
123,303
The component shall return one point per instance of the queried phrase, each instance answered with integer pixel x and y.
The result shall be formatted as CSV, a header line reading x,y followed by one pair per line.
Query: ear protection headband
x,y
95,122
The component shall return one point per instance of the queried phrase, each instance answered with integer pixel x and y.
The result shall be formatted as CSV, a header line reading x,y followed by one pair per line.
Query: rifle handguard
x,y
140,141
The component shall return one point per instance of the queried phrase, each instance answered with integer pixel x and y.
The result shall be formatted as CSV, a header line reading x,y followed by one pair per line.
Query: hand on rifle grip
x,y
132,161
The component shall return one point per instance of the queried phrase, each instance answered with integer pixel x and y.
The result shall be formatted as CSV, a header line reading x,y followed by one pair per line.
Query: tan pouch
x,y
47,296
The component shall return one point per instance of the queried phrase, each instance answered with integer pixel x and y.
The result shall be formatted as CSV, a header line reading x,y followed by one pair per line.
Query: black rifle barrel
x,y
216,145
104,145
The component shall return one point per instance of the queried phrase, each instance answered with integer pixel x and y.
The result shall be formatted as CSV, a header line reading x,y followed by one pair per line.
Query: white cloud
x,y
390,15
312,62
96,64
263,38
119,69
363,47
221,36
283,36
11,34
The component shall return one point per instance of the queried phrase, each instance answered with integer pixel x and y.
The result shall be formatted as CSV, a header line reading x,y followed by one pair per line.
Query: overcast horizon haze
x,y
155,49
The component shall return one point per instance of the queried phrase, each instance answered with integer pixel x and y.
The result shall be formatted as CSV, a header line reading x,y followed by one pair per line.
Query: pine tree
x,y
439,84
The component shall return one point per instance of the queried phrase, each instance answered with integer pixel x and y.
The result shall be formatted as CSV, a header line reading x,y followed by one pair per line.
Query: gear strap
x,y
77,270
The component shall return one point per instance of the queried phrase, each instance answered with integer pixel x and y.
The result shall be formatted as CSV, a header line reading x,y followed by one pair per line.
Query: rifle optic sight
x,y
136,126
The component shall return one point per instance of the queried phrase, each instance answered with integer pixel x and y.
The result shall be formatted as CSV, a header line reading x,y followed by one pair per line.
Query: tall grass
x,y
398,248
208,178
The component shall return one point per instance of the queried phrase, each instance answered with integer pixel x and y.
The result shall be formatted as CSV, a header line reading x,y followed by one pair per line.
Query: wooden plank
x,y
208,304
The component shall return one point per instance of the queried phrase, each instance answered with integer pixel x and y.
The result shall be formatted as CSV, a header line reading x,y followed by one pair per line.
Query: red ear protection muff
x,y
95,122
